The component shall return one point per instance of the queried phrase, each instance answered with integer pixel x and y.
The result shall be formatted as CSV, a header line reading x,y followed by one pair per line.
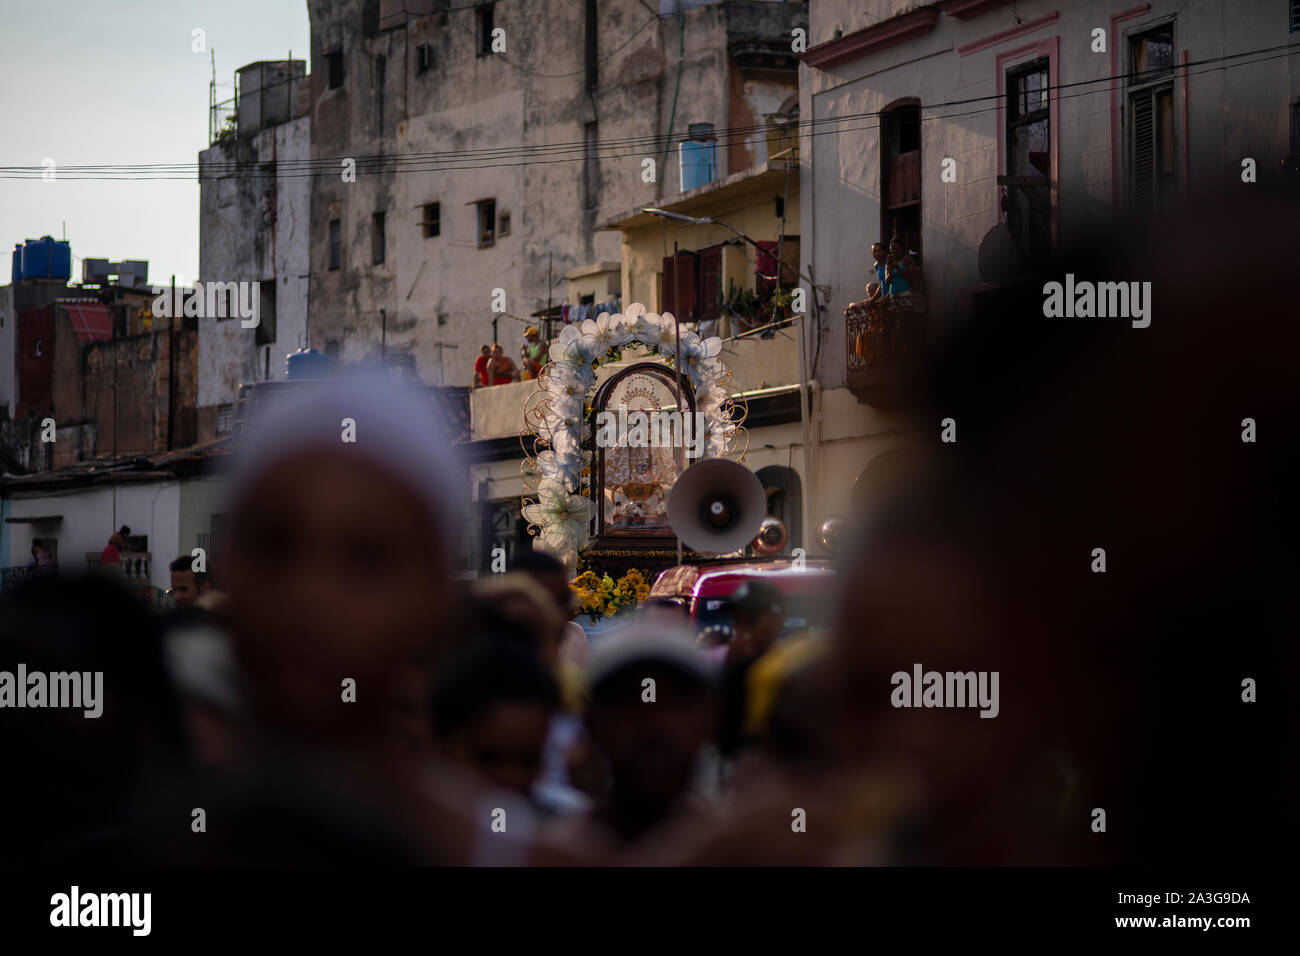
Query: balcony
x,y
885,340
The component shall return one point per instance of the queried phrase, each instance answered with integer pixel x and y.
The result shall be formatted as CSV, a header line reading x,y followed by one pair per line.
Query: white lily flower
x,y
706,371
710,398
697,353
564,549
559,513
563,464
566,381
609,331
644,326
665,336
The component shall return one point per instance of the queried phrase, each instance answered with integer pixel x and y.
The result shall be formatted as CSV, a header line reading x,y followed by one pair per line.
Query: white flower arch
x,y
557,470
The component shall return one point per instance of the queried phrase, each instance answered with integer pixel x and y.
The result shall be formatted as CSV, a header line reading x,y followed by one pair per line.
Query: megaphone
x,y
717,506
771,537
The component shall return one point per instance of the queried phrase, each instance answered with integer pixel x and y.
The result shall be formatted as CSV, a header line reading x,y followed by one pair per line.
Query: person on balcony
x,y
532,353
501,370
878,267
481,367
111,557
41,557
901,274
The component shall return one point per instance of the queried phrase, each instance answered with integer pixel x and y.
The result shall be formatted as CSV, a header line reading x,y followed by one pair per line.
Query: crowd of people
x,y
353,700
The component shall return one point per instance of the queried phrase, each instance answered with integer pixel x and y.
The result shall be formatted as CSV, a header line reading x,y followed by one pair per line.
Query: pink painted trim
x,y
1187,136
872,39
1049,48
966,9
1115,21
1005,35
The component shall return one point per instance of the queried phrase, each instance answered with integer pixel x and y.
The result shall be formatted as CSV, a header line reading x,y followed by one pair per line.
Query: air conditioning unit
x,y
95,271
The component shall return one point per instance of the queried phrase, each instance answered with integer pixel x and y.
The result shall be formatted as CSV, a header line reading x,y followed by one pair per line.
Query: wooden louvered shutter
x,y
1144,148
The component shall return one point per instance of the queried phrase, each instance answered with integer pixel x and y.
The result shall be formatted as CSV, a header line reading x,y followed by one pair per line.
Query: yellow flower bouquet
x,y
602,597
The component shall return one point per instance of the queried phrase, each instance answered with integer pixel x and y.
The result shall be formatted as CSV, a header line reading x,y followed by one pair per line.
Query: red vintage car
x,y
704,590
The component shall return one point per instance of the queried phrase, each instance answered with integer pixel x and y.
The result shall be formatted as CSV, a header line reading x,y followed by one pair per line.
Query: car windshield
x,y
801,611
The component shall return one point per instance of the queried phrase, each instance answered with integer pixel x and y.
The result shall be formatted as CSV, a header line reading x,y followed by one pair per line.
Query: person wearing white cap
x,y
342,516
652,710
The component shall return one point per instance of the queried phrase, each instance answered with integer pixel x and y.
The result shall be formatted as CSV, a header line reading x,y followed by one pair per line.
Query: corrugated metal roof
x,y
90,319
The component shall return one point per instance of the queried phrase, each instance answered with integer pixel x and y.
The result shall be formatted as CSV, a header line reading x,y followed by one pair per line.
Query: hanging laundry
x,y
765,260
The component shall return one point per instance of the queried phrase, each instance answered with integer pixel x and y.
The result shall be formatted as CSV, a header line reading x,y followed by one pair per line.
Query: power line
x,y
499,157
371,162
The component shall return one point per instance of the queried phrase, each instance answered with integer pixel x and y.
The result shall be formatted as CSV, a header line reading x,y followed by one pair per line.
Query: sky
x,y
119,81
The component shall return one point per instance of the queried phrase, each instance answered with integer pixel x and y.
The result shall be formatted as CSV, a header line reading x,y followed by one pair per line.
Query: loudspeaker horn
x,y
717,506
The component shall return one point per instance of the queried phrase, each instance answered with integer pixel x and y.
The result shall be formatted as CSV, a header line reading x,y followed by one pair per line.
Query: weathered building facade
x,y
95,373
255,196
489,143
987,133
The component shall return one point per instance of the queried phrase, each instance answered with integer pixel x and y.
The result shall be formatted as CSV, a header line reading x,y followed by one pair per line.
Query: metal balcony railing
x,y
885,336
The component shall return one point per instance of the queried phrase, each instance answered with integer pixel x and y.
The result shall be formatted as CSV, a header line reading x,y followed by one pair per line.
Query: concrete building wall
x,y
254,227
91,514
432,298
1221,116
8,324
199,500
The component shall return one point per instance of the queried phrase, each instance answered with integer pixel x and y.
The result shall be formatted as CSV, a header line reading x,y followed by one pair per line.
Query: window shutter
x,y
1143,150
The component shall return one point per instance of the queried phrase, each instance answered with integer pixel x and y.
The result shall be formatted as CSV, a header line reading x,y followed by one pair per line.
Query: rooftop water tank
x,y
306,364
47,258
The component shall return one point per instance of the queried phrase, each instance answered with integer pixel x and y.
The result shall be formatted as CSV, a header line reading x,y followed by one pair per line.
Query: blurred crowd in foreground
x,y
351,702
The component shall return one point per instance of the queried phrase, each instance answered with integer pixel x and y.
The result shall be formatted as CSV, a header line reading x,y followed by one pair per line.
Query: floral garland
x,y
556,414
601,596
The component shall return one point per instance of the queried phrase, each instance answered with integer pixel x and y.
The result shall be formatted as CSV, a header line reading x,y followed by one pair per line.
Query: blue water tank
x,y
47,258
306,364
17,272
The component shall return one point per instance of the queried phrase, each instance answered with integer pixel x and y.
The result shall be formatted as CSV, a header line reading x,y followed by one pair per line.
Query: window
x,y
381,75
1152,143
423,59
1295,16
1295,136
225,421
334,61
332,350
265,331
38,346
1153,53
484,21
487,220
900,174
591,166
698,157
377,239
679,285
1027,200
431,219
782,129
592,62
503,224
336,243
